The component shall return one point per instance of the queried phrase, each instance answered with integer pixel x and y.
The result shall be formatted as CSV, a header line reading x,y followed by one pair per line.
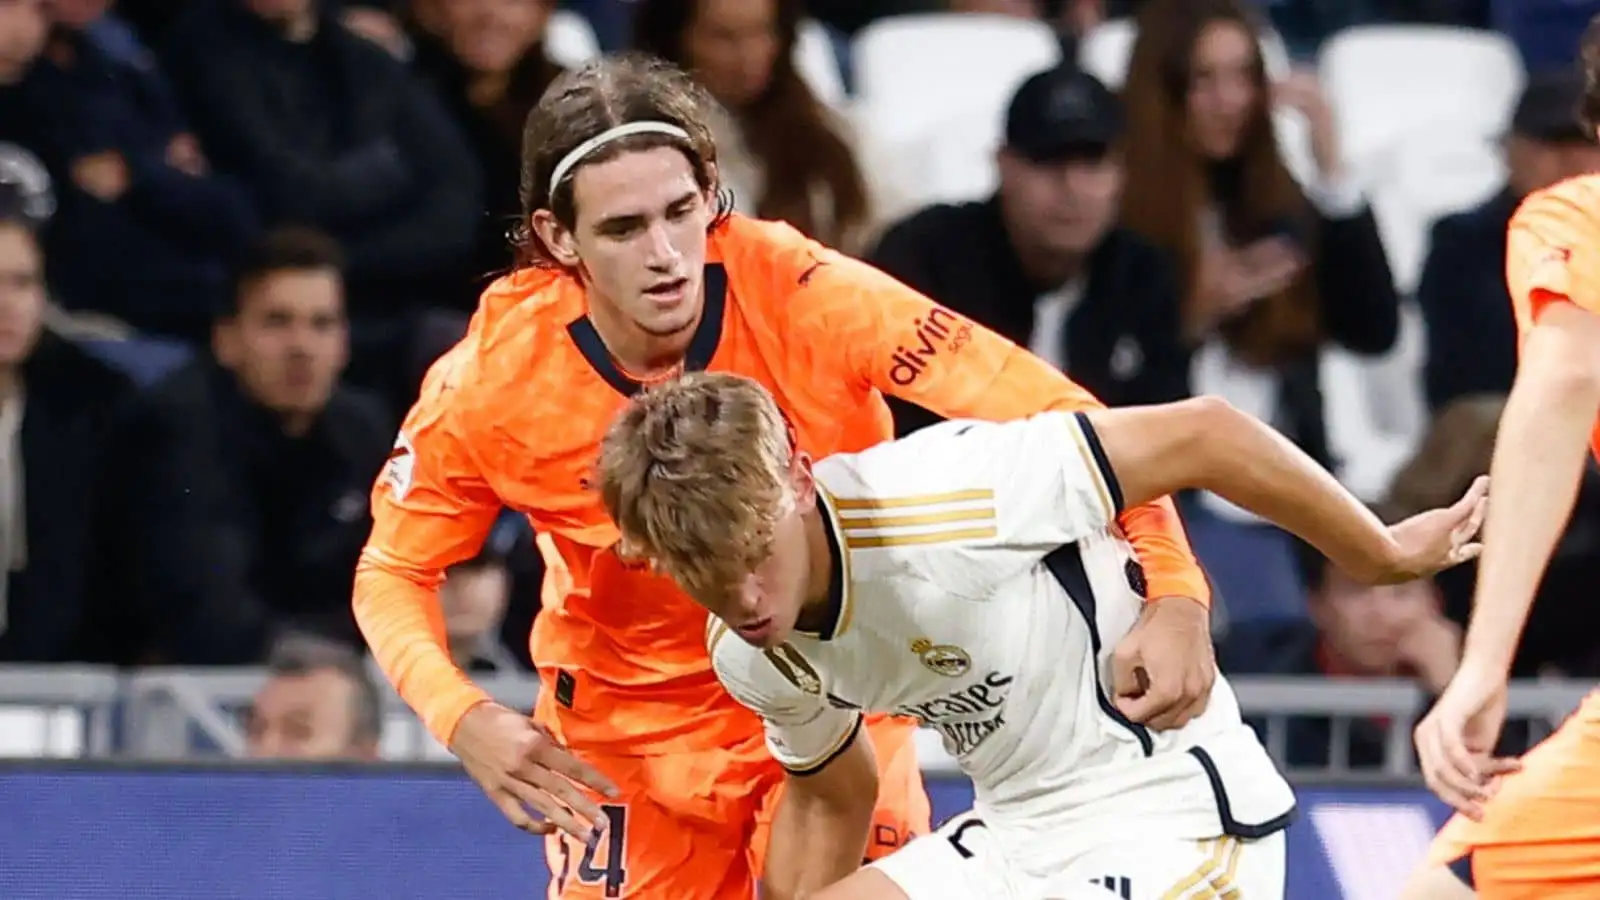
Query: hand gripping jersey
x,y
980,589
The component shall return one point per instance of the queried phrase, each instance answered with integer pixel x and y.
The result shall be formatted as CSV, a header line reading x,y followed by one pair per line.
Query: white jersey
x,y
982,589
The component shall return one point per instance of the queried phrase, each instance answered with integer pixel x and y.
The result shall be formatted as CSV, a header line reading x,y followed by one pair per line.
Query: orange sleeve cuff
x,y
1157,535
404,626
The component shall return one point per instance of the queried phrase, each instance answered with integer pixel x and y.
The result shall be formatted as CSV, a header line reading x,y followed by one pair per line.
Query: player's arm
x,y
824,817
1205,443
430,509
1538,459
899,341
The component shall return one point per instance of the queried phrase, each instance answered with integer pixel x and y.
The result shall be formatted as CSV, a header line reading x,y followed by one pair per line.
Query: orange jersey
x,y
514,416
1553,255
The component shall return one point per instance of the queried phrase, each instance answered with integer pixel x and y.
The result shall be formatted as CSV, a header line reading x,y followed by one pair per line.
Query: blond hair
x,y
695,472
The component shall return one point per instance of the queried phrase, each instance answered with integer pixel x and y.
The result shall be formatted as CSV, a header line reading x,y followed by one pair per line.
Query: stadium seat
x,y
1107,47
569,39
1420,179
1388,83
817,63
916,72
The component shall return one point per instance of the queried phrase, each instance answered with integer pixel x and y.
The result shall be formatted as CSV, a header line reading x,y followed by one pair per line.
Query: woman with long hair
x,y
785,153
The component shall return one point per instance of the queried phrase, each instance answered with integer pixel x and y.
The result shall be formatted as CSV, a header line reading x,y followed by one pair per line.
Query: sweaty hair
x,y
787,128
1170,186
288,248
583,103
695,472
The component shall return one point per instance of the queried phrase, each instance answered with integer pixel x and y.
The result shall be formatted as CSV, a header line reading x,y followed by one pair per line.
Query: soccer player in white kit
x,y
971,576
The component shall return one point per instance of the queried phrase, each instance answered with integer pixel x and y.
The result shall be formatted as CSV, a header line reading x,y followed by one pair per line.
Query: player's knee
x,y
1433,882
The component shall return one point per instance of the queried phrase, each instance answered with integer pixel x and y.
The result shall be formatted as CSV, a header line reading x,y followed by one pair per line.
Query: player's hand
x,y
1455,740
1435,540
522,767
1163,668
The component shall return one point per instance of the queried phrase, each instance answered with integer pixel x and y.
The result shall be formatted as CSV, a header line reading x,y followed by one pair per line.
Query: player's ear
x,y
557,238
805,483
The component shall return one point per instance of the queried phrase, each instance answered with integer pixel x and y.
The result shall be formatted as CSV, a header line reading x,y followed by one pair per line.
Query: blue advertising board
x,y
119,833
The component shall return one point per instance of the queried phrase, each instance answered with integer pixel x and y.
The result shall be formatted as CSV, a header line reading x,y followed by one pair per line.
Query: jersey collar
x,y
702,347
840,605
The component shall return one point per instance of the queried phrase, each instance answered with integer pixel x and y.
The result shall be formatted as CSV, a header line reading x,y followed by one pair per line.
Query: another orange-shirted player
x,y
1534,832
640,273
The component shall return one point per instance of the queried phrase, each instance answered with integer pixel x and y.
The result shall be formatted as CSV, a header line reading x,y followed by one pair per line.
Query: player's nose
x,y
662,254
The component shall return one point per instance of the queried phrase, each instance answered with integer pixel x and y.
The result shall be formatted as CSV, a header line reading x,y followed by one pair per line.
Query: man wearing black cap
x,y
1462,293
1042,261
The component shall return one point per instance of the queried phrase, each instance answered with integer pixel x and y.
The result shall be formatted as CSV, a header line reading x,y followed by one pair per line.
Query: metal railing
x,y
69,712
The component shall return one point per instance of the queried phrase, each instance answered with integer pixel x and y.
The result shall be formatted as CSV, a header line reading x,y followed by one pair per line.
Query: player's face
x,y
21,293
640,238
731,46
766,605
288,343
1223,95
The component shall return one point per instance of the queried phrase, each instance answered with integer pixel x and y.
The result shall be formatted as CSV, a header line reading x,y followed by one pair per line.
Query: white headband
x,y
568,162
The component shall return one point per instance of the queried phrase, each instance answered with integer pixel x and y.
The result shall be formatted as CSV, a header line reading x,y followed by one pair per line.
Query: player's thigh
x,y
678,828
961,861
902,812
1159,869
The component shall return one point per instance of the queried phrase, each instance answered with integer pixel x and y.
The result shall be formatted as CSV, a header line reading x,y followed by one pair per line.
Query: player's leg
x,y
1540,834
903,812
1156,869
957,862
678,829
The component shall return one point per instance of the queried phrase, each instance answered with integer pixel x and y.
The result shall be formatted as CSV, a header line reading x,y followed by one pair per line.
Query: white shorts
x,y
962,861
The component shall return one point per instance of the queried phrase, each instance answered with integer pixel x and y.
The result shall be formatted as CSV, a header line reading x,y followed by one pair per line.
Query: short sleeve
x,y
804,730
1553,251
1028,485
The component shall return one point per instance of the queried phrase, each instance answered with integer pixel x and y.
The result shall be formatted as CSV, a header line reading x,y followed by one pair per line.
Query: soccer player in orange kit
x,y
639,272
1530,829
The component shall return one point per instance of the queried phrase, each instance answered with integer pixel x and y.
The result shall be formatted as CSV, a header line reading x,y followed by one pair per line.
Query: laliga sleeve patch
x,y
401,467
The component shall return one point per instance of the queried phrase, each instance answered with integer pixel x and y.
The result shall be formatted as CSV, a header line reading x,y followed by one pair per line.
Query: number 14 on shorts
x,y
614,874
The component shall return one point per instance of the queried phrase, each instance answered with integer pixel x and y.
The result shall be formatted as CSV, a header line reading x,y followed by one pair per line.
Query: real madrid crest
x,y
945,659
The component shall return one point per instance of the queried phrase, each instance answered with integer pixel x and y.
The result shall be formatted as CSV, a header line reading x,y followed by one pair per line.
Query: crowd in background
x,y
234,234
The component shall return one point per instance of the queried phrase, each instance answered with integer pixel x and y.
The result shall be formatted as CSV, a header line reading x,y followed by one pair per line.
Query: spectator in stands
x,y
331,131
785,155
294,452
491,73
23,28
146,230
1462,293
475,596
65,498
1355,631
1272,272
1042,260
319,703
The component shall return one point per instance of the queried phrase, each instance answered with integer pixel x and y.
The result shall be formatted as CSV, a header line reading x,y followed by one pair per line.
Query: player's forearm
x,y
404,626
816,840
1534,476
1237,457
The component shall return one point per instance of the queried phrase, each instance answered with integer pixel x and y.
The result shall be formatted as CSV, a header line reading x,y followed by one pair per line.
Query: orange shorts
x,y
1540,835
695,824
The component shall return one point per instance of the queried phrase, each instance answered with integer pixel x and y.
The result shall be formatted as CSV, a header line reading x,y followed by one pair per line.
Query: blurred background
x,y
234,233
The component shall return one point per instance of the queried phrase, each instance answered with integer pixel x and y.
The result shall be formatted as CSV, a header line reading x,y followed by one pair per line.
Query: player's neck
x,y
819,574
638,352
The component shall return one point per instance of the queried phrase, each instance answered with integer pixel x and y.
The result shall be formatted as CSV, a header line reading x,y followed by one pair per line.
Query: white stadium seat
x,y
569,40
915,72
1389,83
814,59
